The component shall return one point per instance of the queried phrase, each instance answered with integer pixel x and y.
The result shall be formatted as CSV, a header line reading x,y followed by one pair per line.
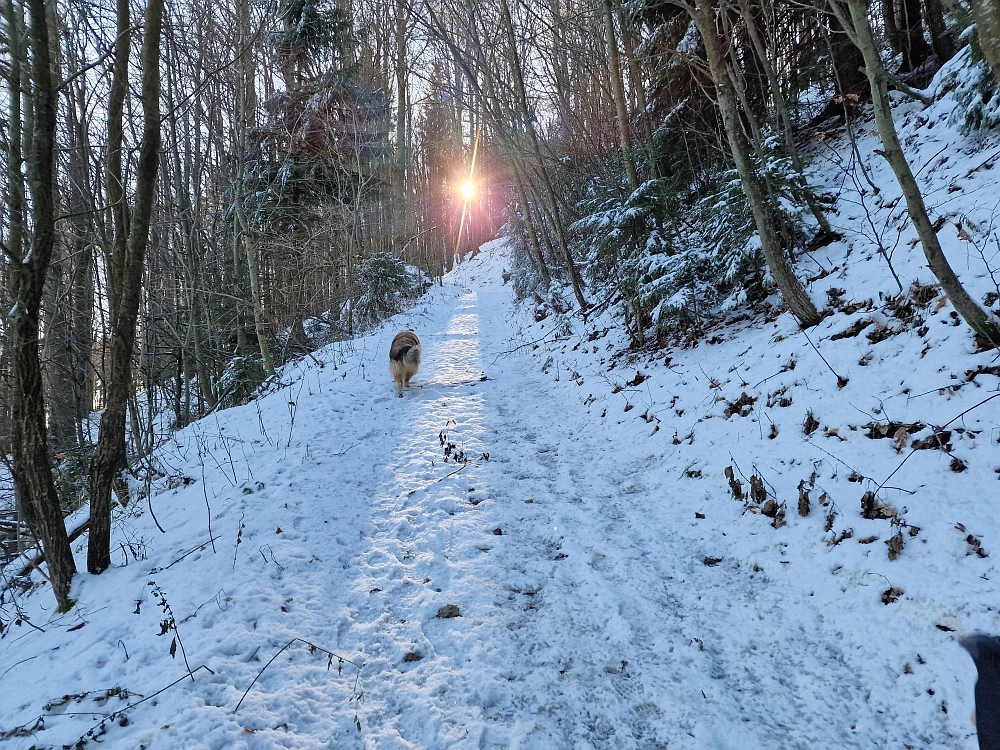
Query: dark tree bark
x,y
942,40
848,63
70,289
126,277
916,50
32,468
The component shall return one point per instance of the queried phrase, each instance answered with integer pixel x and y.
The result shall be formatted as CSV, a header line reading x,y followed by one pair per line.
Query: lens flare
x,y
468,189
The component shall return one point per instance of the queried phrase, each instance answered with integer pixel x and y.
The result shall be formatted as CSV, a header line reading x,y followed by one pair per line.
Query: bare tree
x,y
32,471
125,282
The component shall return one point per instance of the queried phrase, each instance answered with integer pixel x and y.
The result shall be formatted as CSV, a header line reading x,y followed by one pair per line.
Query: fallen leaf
x,y
891,594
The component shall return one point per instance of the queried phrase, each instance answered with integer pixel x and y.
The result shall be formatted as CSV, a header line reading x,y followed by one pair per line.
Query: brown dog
x,y
404,358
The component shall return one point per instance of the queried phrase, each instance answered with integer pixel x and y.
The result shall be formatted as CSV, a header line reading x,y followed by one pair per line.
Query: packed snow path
x,y
599,607
589,616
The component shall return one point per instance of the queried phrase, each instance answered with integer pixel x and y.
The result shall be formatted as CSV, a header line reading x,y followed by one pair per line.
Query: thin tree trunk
x,y
242,230
977,318
795,296
16,198
915,47
521,96
987,15
942,40
638,88
618,93
781,107
109,460
529,228
32,470
893,34
189,241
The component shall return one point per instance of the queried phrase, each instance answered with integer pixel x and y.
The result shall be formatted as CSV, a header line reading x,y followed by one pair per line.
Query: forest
x,y
194,196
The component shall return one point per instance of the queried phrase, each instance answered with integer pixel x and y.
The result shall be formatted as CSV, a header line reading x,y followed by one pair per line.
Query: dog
x,y
404,358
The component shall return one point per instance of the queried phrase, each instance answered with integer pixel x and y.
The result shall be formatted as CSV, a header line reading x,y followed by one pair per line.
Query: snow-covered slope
x,y
574,502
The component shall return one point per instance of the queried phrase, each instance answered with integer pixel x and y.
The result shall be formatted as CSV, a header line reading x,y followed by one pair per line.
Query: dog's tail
x,y
411,355
406,348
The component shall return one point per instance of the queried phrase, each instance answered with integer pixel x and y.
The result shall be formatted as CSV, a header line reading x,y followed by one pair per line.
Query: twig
x,y
914,450
841,382
204,489
115,714
522,346
189,552
15,664
239,538
314,647
453,473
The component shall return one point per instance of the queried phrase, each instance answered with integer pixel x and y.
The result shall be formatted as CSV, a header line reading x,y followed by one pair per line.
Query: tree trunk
x,y
977,318
915,47
521,97
942,40
618,93
987,15
795,296
16,198
529,228
110,459
893,34
637,86
781,107
70,289
848,63
242,227
32,470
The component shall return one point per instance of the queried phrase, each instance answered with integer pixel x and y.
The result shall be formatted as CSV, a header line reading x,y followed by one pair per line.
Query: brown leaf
x,y
890,595
803,499
811,424
637,380
895,545
900,439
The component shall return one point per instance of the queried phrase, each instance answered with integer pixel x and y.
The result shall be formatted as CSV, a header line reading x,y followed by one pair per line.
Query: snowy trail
x,y
593,620
602,614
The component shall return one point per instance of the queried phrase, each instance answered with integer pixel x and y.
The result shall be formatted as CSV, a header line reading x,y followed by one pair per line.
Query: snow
x,y
612,591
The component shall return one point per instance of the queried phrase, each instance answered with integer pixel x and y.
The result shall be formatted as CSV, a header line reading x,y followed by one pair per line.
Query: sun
x,y
468,189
